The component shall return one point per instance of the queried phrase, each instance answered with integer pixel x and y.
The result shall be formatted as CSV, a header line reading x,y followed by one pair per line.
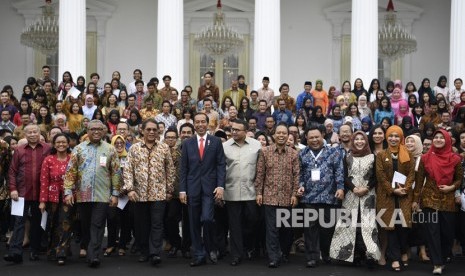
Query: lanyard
x,y
318,155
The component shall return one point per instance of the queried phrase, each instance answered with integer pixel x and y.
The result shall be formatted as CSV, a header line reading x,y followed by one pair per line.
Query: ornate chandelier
x,y
393,40
218,40
42,35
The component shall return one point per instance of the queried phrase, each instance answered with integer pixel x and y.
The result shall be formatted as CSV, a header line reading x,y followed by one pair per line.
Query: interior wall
x,y
12,53
131,40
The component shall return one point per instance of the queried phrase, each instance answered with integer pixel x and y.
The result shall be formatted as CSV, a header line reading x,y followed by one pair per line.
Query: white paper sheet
x,y
74,92
43,221
398,178
463,201
17,207
122,201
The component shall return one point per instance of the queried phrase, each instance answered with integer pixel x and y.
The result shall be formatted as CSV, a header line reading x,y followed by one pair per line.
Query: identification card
x,y
103,161
315,174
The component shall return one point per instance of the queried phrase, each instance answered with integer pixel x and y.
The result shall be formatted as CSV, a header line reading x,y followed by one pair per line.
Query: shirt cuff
x,y
115,193
220,187
182,192
68,192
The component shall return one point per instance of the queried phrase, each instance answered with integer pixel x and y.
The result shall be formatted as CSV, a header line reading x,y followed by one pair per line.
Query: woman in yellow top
x,y
320,96
75,118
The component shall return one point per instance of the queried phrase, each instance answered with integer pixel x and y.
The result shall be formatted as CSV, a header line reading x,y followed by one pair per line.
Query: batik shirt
x,y
329,161
93,172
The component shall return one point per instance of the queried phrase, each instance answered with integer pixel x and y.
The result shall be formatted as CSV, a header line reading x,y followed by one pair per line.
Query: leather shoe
x,y
156,260
15,258
94,263
273,265
33,257
236,262
186,254
213,257
143,259
173,253
198,262
311,263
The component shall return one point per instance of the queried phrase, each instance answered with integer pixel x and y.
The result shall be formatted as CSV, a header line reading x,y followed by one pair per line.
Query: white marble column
x,y
364,41
170,41
336,52
457,41
72,43
267,43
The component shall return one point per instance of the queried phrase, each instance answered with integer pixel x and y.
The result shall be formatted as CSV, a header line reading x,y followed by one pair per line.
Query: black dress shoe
x,y
311,263
236,262
33,257
186,254
213,257
156,260
15,258
143,259
173,253
94,263
198,262
273,264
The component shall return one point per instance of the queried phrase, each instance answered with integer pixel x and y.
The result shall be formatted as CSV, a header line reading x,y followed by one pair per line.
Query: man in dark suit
x,y
202,178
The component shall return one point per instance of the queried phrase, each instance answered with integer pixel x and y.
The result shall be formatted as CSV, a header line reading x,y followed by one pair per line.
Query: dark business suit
x,y
199,178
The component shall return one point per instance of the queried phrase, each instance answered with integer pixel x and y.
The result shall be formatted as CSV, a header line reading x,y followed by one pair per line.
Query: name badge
x,y
103,161
315,174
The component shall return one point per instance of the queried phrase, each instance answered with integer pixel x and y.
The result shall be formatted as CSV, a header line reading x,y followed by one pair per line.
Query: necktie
x,y
201,148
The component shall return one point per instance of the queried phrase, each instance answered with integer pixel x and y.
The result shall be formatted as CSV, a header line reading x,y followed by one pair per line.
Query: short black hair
x,y
253,92
166,77
311,128
189,125
171,129
243,123
149,120
206,116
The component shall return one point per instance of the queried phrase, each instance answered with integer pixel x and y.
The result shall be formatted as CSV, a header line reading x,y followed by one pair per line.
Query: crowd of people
x,y
139,160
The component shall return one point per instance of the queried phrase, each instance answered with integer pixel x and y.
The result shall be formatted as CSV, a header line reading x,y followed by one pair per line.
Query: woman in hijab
x,y
337,118
318,118
394,195
363,107
402,112
396,99
367,124
415,147
354,244
425,88
115,216
320,96
443,172
459,105
406,125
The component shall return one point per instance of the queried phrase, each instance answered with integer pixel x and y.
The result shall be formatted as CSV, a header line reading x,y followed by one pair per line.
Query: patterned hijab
x,y
113,141
360,152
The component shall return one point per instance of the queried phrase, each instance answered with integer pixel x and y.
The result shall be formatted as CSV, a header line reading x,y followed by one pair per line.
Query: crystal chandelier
x,y
393,40
42,35
218,40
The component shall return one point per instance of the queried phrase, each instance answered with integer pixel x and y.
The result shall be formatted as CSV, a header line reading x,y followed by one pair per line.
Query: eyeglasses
x,y
151,129
236,130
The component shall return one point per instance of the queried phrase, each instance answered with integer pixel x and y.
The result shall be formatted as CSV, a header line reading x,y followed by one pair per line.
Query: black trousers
x,y
439,234
318,238
148,219
221,228
93,216
202,220
397,242
186,230
242,221
278,240
113,225
4,216
173,215
16,242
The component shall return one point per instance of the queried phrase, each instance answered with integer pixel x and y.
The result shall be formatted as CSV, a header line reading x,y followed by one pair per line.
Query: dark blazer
x,y
201,177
